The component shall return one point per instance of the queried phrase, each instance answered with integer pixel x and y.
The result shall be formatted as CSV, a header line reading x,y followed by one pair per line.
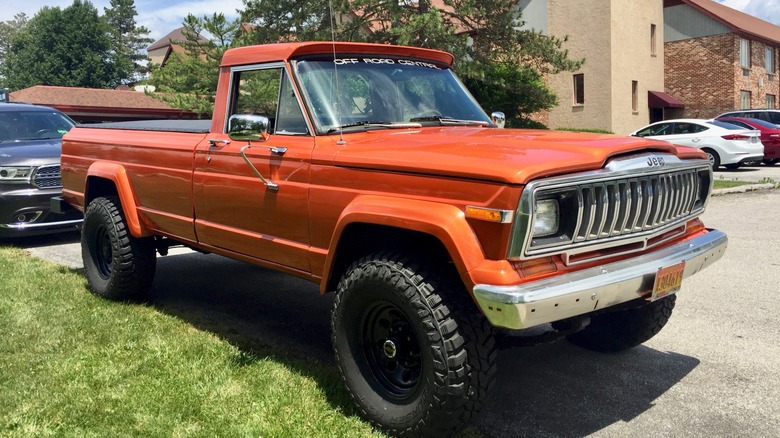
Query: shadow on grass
x,y
549,390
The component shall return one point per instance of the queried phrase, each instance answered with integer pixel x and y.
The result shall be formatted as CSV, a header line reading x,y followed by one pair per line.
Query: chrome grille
x,y
46,177
624,206
631,204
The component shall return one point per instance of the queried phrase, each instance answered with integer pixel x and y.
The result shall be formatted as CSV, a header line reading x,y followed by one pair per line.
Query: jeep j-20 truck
x,y
371,170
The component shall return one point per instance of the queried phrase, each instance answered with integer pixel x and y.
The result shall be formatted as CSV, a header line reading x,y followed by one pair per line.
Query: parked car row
x,y
725,144
30,148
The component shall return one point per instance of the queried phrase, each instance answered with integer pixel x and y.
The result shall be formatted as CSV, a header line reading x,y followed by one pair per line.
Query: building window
x,y
744,100
635,96
579,89
744,53
770,101
652,40
769,60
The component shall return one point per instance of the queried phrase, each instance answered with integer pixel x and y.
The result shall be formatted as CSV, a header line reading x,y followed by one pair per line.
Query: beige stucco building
x,y
623,75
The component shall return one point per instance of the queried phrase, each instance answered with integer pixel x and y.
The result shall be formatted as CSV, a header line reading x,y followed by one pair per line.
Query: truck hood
x,y
30,152
514,156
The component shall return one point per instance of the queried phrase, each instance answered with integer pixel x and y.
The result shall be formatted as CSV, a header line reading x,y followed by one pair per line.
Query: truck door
x,y
235,210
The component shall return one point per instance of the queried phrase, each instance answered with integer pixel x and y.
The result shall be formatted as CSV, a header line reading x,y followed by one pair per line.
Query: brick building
x,y
718,59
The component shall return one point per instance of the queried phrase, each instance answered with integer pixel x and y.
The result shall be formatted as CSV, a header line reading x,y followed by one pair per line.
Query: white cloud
x,y
767,10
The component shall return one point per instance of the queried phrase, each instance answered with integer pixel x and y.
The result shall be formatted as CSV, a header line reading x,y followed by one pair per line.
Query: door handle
x,y
277,150
214,142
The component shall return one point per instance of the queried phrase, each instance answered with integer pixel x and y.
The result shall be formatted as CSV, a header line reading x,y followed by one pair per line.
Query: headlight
x,y
15,174
546,218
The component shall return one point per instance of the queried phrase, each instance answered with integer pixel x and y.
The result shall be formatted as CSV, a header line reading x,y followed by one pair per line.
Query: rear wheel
x,y
771,162
118,266
623,329
713,157
415,354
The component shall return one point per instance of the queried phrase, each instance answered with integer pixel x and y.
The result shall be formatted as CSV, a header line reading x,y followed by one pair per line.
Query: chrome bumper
x,y
581,292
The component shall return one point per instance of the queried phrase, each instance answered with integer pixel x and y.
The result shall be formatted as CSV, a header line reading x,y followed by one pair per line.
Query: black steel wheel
x,y
415,354
392,349
118,266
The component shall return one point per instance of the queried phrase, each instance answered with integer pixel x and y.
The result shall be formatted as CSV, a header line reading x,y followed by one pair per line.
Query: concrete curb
x,y
743,189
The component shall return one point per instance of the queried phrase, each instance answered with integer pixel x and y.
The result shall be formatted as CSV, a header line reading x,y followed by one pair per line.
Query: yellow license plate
x,y
667,281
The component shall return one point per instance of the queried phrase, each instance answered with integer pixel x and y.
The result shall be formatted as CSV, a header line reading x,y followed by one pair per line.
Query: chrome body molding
x,y
32,226
578,293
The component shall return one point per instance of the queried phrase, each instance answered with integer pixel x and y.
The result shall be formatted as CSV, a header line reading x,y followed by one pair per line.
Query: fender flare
x,y
444,222
117,174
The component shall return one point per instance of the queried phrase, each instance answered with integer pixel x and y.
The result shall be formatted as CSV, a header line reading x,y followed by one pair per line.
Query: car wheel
x,y
733,166
118,266
623,329
415,354
771,162
713,157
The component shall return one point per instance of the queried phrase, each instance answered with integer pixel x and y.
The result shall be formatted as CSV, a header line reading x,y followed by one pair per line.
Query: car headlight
x,y
547,217
15,173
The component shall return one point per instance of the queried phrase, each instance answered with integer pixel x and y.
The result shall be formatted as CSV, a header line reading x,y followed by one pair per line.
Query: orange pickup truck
x,y
372,171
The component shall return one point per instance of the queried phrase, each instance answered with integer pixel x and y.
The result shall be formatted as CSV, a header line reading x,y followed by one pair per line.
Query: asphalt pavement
x,y
714,371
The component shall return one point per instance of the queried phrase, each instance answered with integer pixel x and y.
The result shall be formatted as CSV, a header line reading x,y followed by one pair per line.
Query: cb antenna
x,y
336,72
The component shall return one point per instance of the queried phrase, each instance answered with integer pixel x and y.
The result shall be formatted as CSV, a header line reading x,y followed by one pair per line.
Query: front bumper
x,y
556,298
26,212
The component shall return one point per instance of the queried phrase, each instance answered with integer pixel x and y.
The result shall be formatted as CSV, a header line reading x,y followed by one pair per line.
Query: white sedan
x,y
724,143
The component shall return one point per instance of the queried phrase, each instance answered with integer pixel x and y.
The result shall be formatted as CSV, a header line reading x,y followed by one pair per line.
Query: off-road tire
x,y
620,330
118,266
415,354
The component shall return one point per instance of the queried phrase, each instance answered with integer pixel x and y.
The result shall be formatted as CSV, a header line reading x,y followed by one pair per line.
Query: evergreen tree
x,y
188,80
129,40
65,47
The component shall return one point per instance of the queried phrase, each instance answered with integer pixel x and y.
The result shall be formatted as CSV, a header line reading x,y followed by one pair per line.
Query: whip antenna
x,y
335,71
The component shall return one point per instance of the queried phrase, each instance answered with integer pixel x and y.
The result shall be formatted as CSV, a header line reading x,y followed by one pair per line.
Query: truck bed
x,y
192,126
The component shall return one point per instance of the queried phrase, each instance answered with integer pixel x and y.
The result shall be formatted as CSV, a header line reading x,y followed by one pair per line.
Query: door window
x,y
268,92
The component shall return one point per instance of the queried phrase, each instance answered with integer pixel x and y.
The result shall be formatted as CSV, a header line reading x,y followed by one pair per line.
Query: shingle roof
x,y
174,36
739,22
91,97
74,100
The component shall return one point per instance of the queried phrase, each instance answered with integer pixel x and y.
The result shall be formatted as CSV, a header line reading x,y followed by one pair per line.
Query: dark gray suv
x,y
767,115
30,148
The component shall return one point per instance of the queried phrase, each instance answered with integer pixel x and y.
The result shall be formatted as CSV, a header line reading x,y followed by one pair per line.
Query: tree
x,y
65,47
188,80
503,65
7,31
128,39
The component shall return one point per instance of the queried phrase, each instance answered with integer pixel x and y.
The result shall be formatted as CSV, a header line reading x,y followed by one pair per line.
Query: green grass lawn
x,y
72,364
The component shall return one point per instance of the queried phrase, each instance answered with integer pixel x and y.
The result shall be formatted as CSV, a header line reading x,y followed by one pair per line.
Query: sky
x,y
163,16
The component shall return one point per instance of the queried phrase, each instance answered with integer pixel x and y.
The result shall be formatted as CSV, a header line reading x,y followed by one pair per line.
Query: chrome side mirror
x,y
248,127
498,118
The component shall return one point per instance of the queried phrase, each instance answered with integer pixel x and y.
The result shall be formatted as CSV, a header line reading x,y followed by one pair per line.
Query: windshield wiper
x,y
448,121
374,124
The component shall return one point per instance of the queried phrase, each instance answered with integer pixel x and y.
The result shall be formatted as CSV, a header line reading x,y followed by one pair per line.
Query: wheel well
x,y
97,187
359,240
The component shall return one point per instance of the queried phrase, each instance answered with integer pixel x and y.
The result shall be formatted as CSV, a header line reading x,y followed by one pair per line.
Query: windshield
x,y
33,125
381,92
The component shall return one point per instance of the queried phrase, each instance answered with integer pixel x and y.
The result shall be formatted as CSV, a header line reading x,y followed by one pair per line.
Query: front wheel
x,y
415,354
623,329
771,162
118,266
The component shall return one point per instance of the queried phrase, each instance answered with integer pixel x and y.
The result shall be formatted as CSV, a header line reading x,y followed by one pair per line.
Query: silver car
x,y
30,148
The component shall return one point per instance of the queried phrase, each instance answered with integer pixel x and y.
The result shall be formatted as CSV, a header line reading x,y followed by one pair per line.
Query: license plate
x,y
667,281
